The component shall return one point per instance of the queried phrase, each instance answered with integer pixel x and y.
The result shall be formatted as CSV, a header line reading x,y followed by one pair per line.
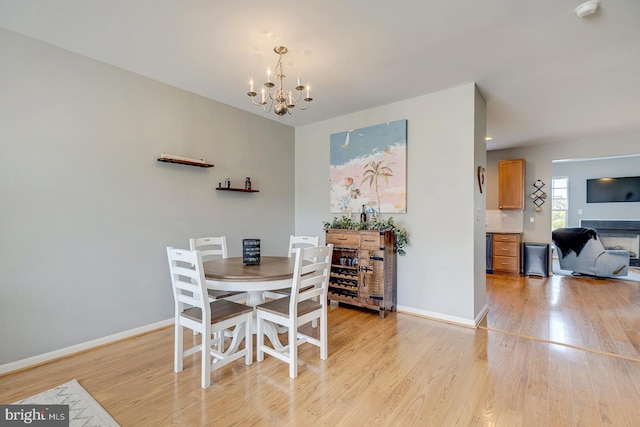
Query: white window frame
x,y
553,198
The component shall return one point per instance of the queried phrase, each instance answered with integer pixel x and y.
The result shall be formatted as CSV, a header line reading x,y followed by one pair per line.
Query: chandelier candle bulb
x,y
251,85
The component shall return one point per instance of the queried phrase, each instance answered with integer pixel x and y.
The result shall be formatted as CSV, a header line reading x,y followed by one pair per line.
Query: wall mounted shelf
x,y
237,189
185,162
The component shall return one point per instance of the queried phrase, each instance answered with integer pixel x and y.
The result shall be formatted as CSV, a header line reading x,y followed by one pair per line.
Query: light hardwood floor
x,y
399,371
596,314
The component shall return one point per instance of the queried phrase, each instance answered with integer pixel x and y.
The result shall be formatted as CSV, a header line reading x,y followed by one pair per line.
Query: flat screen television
x,y
612,190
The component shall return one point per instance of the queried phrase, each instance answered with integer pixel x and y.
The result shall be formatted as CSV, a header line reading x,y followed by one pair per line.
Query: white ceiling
x,y
546,74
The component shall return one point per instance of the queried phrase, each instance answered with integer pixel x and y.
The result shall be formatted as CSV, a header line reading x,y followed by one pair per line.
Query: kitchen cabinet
x,y
511,175
506,252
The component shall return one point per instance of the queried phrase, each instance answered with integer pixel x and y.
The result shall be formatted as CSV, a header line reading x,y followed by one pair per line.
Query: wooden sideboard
x,y
363,269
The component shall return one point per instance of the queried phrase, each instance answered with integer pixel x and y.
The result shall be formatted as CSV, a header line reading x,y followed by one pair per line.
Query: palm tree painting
x,y
368,168
372,172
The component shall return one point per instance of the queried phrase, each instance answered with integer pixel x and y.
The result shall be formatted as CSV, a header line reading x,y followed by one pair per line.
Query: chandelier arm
x,y
308,101
268,110
297,97
254,101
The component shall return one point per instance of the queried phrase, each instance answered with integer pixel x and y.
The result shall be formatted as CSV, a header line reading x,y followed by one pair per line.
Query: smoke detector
x,y
587,8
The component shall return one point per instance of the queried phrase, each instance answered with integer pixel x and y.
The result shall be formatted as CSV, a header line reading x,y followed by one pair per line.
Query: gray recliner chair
x,y
580,251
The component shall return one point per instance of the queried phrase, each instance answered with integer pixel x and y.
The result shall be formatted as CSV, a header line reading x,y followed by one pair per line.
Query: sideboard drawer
x,y
505,249
343,240
371,240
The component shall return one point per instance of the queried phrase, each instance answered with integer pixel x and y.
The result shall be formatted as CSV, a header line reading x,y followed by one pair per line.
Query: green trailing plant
x,y
402,238
343,223
346,223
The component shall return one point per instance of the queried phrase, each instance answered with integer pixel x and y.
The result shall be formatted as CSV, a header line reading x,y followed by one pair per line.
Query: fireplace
x,y
618,234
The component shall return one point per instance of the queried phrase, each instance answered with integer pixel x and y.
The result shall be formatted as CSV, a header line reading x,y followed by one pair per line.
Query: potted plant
x,y
346,223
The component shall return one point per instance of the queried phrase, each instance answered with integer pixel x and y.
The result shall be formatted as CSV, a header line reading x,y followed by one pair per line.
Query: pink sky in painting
x,y
346,179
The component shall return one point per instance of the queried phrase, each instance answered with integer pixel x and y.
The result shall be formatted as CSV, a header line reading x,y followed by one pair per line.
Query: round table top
x,y
271,268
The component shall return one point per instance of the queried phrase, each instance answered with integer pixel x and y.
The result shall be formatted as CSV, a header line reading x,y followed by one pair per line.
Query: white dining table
x,y
231,274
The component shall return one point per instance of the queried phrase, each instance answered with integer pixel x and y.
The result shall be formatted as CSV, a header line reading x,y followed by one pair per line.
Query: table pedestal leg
x,y
270,329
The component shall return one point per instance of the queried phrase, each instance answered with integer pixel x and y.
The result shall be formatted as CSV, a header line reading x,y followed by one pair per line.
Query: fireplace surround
x,y
618,234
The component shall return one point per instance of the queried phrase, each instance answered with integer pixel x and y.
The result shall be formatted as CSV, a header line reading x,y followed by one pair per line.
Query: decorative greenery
x,y
346,223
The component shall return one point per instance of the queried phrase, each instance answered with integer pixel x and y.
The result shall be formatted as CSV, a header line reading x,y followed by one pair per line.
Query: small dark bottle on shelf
x,y
363,215
247,184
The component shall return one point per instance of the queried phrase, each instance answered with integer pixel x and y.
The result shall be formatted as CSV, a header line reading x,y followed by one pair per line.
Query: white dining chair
x,y
306,302
211,248
295,242
193,310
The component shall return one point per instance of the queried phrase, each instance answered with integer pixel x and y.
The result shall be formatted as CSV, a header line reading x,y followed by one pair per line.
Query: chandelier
x,y
274,96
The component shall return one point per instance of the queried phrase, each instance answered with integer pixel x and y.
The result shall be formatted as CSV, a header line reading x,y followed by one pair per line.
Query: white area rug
x,y
83,409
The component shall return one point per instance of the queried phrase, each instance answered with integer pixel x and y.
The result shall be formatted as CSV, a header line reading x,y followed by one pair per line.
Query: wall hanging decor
x,y
368,166
538,196
481,178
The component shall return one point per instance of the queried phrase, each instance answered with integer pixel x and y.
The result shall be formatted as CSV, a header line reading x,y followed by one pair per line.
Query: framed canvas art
x,y
368,166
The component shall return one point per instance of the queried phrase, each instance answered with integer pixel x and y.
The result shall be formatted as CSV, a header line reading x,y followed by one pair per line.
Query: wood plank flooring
x,y
398,371
587,313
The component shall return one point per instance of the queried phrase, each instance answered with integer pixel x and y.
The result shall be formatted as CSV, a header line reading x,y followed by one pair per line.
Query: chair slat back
x,y
312,268
187,280
296,242
210,247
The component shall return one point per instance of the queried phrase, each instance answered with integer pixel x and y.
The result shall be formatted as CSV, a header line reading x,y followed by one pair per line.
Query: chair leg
x,y
314,322
293,351
206,359
178,351
260,340
248,341
218,341
324,348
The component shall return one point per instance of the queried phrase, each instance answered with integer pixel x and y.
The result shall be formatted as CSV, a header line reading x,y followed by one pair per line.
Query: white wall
x,y
442,274
539,166
579,171
480,216
87,211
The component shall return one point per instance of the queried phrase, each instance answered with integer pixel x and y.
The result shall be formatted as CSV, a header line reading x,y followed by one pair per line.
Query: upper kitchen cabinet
x,y
511,184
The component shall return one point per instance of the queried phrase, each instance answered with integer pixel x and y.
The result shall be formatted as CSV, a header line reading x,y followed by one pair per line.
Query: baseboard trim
x,y
78,348
480,317
460,321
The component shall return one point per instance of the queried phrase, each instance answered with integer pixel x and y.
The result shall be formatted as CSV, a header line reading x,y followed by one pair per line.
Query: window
x,y
559,202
